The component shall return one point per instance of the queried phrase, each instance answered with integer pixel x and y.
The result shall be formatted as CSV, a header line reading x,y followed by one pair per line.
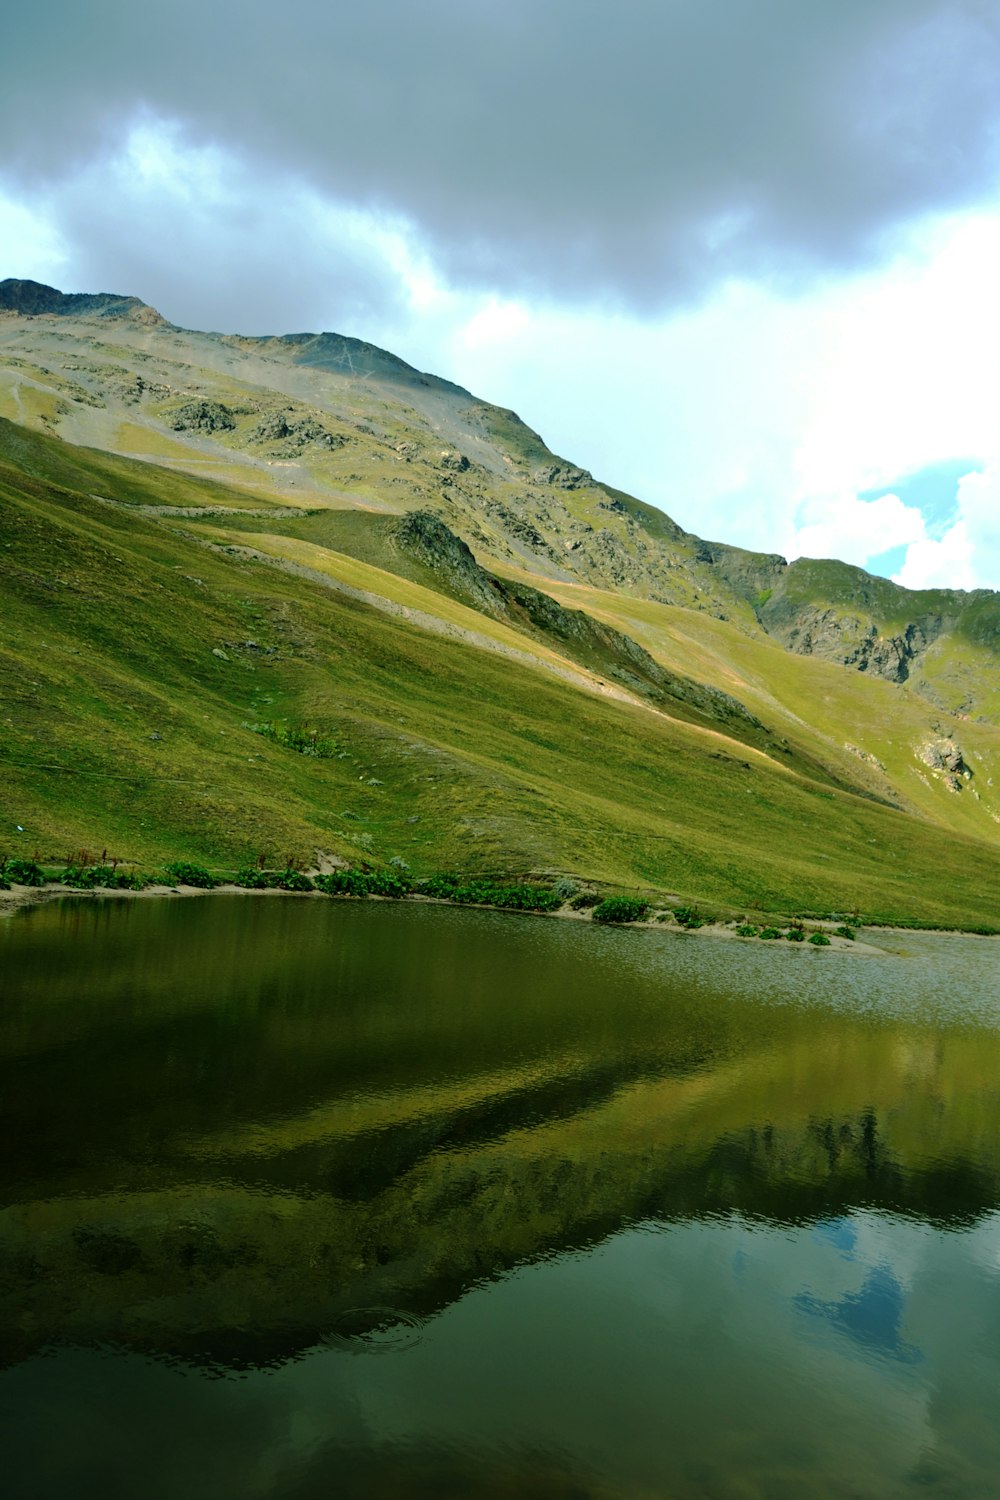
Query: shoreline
x,y
19,898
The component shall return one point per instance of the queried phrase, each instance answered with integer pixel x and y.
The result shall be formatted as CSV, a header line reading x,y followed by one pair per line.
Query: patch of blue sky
x,y
933,491
887,563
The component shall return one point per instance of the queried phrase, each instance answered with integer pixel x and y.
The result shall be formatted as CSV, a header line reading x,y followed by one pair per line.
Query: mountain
x,y
218,547
33,299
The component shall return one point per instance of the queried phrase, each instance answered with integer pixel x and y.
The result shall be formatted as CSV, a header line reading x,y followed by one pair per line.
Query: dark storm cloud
x,y
229,249
637,150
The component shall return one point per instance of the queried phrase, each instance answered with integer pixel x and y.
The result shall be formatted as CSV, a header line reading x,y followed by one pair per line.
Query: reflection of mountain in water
x,y
235,1272
219,1182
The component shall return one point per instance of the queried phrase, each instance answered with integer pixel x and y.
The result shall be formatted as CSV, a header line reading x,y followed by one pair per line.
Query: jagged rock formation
x,y
425,537
944,755
276,428
856,642
565,477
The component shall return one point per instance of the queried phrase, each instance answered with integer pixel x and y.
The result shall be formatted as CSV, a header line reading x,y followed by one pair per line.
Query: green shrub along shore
x,y
563,895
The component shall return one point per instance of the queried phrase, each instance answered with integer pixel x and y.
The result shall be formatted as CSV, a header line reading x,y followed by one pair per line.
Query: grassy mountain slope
x,y
860,727
140,659
321,420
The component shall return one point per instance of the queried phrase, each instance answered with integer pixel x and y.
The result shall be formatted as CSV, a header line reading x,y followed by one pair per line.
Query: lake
x,y
313,1198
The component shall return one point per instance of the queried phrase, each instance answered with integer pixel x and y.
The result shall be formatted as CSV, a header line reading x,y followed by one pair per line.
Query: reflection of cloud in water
x,y
984,1242
842,1234
871,1317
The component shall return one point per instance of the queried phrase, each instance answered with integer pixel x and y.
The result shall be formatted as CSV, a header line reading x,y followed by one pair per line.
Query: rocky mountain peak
x,y
34,299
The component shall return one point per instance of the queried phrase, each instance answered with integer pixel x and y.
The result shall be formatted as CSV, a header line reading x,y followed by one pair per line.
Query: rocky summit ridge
x,y
34,299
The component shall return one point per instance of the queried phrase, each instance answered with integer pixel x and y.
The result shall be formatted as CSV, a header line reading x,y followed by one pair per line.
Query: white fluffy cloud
x,y
760,420
967,553
856,530
962,553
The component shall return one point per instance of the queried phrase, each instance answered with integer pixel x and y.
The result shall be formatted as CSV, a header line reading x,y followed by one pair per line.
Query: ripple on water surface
x,y
374,1330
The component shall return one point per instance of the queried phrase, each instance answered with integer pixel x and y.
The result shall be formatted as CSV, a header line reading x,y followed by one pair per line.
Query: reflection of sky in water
x,y
871,1317
841,1233
721,1357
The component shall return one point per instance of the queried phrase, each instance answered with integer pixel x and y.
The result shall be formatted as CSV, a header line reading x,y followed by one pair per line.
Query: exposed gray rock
x,y
132,388
202,416
426,538
944,754
563,476
276,428
517,526
855,642
273,428
612,558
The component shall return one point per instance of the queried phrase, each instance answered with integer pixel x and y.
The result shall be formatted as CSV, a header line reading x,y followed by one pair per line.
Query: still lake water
x,y
308,1198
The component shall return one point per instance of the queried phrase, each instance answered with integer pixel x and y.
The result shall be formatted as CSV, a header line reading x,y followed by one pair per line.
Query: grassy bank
x,y
29,882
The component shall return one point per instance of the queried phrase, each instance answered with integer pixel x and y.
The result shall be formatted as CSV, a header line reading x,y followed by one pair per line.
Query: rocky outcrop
x,y
942,642
132,389
292,434
518,527
613,559
563,476
856,642
203,416
425,538
945,755
754,575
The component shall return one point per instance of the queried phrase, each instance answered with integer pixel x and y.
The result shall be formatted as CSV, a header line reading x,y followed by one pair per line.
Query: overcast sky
x,y
739,257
